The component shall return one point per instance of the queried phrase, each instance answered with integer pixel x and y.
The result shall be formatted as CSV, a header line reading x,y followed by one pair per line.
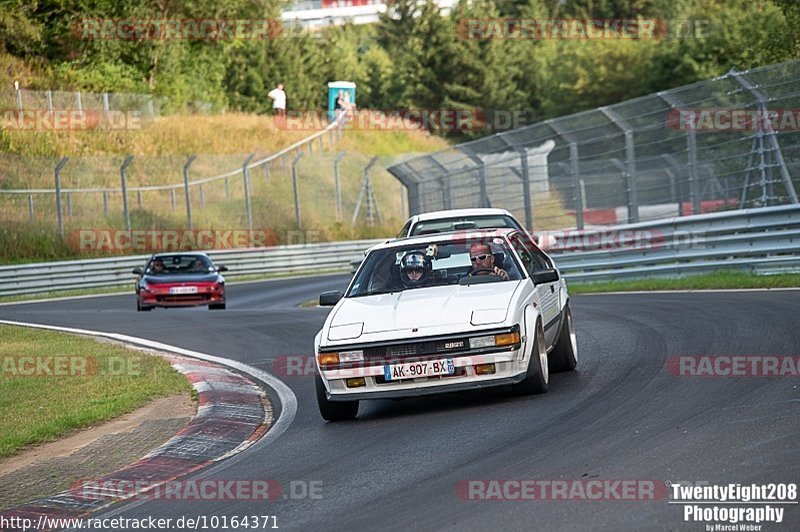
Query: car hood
x,y
183,278
422,308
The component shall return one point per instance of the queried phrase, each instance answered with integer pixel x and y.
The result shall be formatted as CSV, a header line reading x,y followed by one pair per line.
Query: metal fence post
x,y
366,192
139,198
630,160
484,192
336,162
106,106
124,182
526,188
246,178
673,189
19,100
691,146
78,101
172,199
444,183
69,205
373,213
227,191
294,187
57,175
202,196
266,172
105,203
578,188
30,205
50,101
186,166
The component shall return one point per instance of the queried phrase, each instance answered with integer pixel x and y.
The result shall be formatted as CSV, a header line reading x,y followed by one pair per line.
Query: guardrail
x,y
98,273
762,240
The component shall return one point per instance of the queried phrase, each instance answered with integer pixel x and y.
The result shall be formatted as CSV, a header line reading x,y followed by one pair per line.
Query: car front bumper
x,y
510,368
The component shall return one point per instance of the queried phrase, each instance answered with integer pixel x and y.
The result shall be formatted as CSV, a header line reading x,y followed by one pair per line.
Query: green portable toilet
x,y
333,93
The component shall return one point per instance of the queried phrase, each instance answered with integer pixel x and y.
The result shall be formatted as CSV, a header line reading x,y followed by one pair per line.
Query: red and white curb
x,y
232,416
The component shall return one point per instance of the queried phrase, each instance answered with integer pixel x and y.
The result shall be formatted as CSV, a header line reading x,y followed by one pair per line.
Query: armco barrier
x,y
98,273
761,240
764,240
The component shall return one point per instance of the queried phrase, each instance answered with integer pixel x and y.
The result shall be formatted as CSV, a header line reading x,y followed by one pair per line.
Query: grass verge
x,y
719,280
85,381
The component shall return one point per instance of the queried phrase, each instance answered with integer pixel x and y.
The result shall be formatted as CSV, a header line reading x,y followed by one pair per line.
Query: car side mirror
x,y
329,299
138,271
545,276
222,268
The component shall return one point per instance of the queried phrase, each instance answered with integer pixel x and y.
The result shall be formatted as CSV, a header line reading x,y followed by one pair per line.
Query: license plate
x,y
413,370
183,290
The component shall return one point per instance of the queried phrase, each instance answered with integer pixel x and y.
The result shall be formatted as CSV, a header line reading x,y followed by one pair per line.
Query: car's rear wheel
x,y
538,375
564,356
216,306
334,410
140,307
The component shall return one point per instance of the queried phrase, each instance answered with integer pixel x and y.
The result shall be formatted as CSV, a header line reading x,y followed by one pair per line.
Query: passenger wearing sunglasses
x,y
483,261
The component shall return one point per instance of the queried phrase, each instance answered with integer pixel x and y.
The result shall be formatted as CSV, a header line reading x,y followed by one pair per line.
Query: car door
x,y
535,262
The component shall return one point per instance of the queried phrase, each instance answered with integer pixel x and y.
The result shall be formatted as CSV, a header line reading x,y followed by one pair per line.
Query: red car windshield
x,y
179,264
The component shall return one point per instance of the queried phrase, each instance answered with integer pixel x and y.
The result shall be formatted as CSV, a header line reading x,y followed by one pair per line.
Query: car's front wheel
x,y
538,375
564,356
140,307
216,306
334,410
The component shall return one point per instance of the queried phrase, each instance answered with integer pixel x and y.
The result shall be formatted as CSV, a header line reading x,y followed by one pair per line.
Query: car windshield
x,y
462,223
447,263
179,264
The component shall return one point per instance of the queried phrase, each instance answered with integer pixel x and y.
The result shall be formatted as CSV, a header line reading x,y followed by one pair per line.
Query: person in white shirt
x,y
278,97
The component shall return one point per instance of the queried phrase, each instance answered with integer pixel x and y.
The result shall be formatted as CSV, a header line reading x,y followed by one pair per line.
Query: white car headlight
x,y
481,341
351,356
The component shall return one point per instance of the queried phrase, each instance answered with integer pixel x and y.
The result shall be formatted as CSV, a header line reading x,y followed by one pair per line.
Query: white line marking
x,y
285,394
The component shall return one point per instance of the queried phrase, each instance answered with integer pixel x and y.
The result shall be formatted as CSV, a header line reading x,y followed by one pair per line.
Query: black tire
x,y
216,306
538,375
564,356
140,308
334,410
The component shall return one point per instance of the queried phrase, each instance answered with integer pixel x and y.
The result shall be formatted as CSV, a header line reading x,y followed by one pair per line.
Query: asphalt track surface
x,y
622,415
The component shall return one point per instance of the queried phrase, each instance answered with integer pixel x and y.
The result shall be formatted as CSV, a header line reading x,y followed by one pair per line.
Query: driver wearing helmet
x,y
415,269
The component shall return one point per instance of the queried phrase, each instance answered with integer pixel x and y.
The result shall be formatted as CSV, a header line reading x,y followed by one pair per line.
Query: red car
x,y
180,280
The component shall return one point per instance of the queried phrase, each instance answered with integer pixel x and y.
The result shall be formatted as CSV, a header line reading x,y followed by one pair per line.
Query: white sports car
x,y
444,312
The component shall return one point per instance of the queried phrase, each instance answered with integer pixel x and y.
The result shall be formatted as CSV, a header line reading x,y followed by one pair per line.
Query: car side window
x,y
404,231
533,259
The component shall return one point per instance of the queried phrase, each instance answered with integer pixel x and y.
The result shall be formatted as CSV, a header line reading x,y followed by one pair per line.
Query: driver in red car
x,y
483,261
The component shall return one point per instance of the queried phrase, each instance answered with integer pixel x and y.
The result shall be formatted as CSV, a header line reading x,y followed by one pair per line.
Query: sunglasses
x,y
480,257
